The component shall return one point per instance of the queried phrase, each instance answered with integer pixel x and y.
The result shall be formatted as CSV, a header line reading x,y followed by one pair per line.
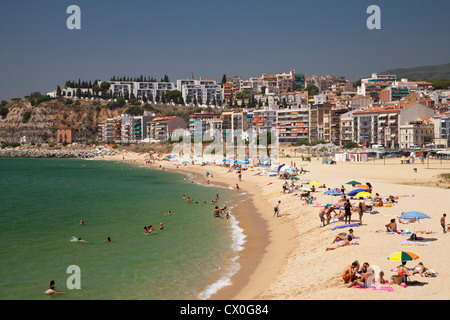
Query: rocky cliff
x,y
45,119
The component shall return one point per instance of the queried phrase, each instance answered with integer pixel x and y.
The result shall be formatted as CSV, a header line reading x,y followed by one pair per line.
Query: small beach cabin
x,y
350,156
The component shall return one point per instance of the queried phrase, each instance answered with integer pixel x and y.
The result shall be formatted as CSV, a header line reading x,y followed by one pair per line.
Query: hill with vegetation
x,y
435,74
38,117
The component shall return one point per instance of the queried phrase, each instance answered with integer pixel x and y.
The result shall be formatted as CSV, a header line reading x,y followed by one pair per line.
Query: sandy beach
x,y
285,257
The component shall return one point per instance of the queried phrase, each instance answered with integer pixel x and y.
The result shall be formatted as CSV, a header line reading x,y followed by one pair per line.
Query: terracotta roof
x,y
425,119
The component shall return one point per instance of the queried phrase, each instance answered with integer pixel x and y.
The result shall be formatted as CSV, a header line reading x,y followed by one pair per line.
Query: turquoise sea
x,y
43,201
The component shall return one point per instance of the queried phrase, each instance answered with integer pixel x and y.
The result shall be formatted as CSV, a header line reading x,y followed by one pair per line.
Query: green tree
x,y
26,116
174,96
4,112
312,90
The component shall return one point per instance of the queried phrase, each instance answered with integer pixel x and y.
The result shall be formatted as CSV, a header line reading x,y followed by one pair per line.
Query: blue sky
x,y
210,38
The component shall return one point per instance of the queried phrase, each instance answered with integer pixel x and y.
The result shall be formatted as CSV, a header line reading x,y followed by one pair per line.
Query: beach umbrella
x,y
356,191
361,186
363,194
332,192
353,183
314,183
305,189
414,215
403,256
295,178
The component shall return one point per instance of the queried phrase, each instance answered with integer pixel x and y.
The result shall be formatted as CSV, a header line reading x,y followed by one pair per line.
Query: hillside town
x,y
381,110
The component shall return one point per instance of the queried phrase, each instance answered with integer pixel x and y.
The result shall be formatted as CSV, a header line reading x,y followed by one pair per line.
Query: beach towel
x,y
345,226
403,233
376,288
353,239
413,243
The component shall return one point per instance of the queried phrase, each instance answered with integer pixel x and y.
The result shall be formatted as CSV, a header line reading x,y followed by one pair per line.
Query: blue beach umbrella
x,y
332,192
355,192
414,215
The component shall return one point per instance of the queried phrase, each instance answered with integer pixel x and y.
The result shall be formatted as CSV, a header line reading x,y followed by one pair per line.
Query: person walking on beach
x,y
276,209
443,223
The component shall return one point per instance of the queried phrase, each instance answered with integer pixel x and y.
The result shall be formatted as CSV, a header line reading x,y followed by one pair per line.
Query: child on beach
x,y
276,209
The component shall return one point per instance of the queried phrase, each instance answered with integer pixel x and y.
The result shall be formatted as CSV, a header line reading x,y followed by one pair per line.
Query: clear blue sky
x,y
210,38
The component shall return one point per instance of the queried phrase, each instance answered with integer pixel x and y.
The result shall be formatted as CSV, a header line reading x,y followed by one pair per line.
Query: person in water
x,y
51,290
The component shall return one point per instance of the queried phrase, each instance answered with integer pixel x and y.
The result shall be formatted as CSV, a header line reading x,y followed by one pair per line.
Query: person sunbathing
x,y
343,235
419,269
344,243
392,226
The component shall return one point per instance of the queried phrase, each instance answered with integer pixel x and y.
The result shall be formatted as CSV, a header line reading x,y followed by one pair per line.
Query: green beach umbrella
x,y
353,183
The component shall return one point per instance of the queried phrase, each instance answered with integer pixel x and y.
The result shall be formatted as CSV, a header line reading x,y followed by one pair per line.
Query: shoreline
x,y
268,240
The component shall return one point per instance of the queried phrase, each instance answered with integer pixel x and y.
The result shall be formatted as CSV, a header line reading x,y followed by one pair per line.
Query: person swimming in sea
x,y
51,290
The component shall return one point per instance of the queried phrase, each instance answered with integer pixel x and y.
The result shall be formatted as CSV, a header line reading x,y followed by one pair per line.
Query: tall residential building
x,y
372,87
203,90
232,121
442,129
320,122
265,119
381,125
292,124
205,125
161,128
417,133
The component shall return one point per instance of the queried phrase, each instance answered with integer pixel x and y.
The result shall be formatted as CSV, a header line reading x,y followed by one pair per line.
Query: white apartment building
x,y
203,90
138,89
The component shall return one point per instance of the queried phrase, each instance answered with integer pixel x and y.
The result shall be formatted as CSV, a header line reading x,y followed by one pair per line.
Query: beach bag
x,y
346,277
397,279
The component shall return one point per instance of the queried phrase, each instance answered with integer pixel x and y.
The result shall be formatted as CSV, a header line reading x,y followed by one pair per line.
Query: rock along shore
x,y
42,153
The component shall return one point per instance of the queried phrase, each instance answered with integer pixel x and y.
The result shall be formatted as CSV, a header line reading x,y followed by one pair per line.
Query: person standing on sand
x,y
322,213
276,209
360,212
348,211
443,223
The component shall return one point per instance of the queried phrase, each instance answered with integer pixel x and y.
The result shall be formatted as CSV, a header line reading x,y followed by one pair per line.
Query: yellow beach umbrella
x,y
363,194
314,183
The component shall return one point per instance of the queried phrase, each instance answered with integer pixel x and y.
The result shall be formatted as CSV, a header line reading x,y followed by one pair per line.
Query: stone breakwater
x,y
41,153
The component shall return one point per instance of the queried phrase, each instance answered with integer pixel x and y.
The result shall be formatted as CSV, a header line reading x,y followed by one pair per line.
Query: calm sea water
x,y
43,201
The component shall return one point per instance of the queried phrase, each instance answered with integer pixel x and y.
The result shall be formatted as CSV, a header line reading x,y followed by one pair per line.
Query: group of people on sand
x,y
363,276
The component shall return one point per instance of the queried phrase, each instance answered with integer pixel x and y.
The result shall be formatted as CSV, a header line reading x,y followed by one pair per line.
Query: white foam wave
x,y
238,241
